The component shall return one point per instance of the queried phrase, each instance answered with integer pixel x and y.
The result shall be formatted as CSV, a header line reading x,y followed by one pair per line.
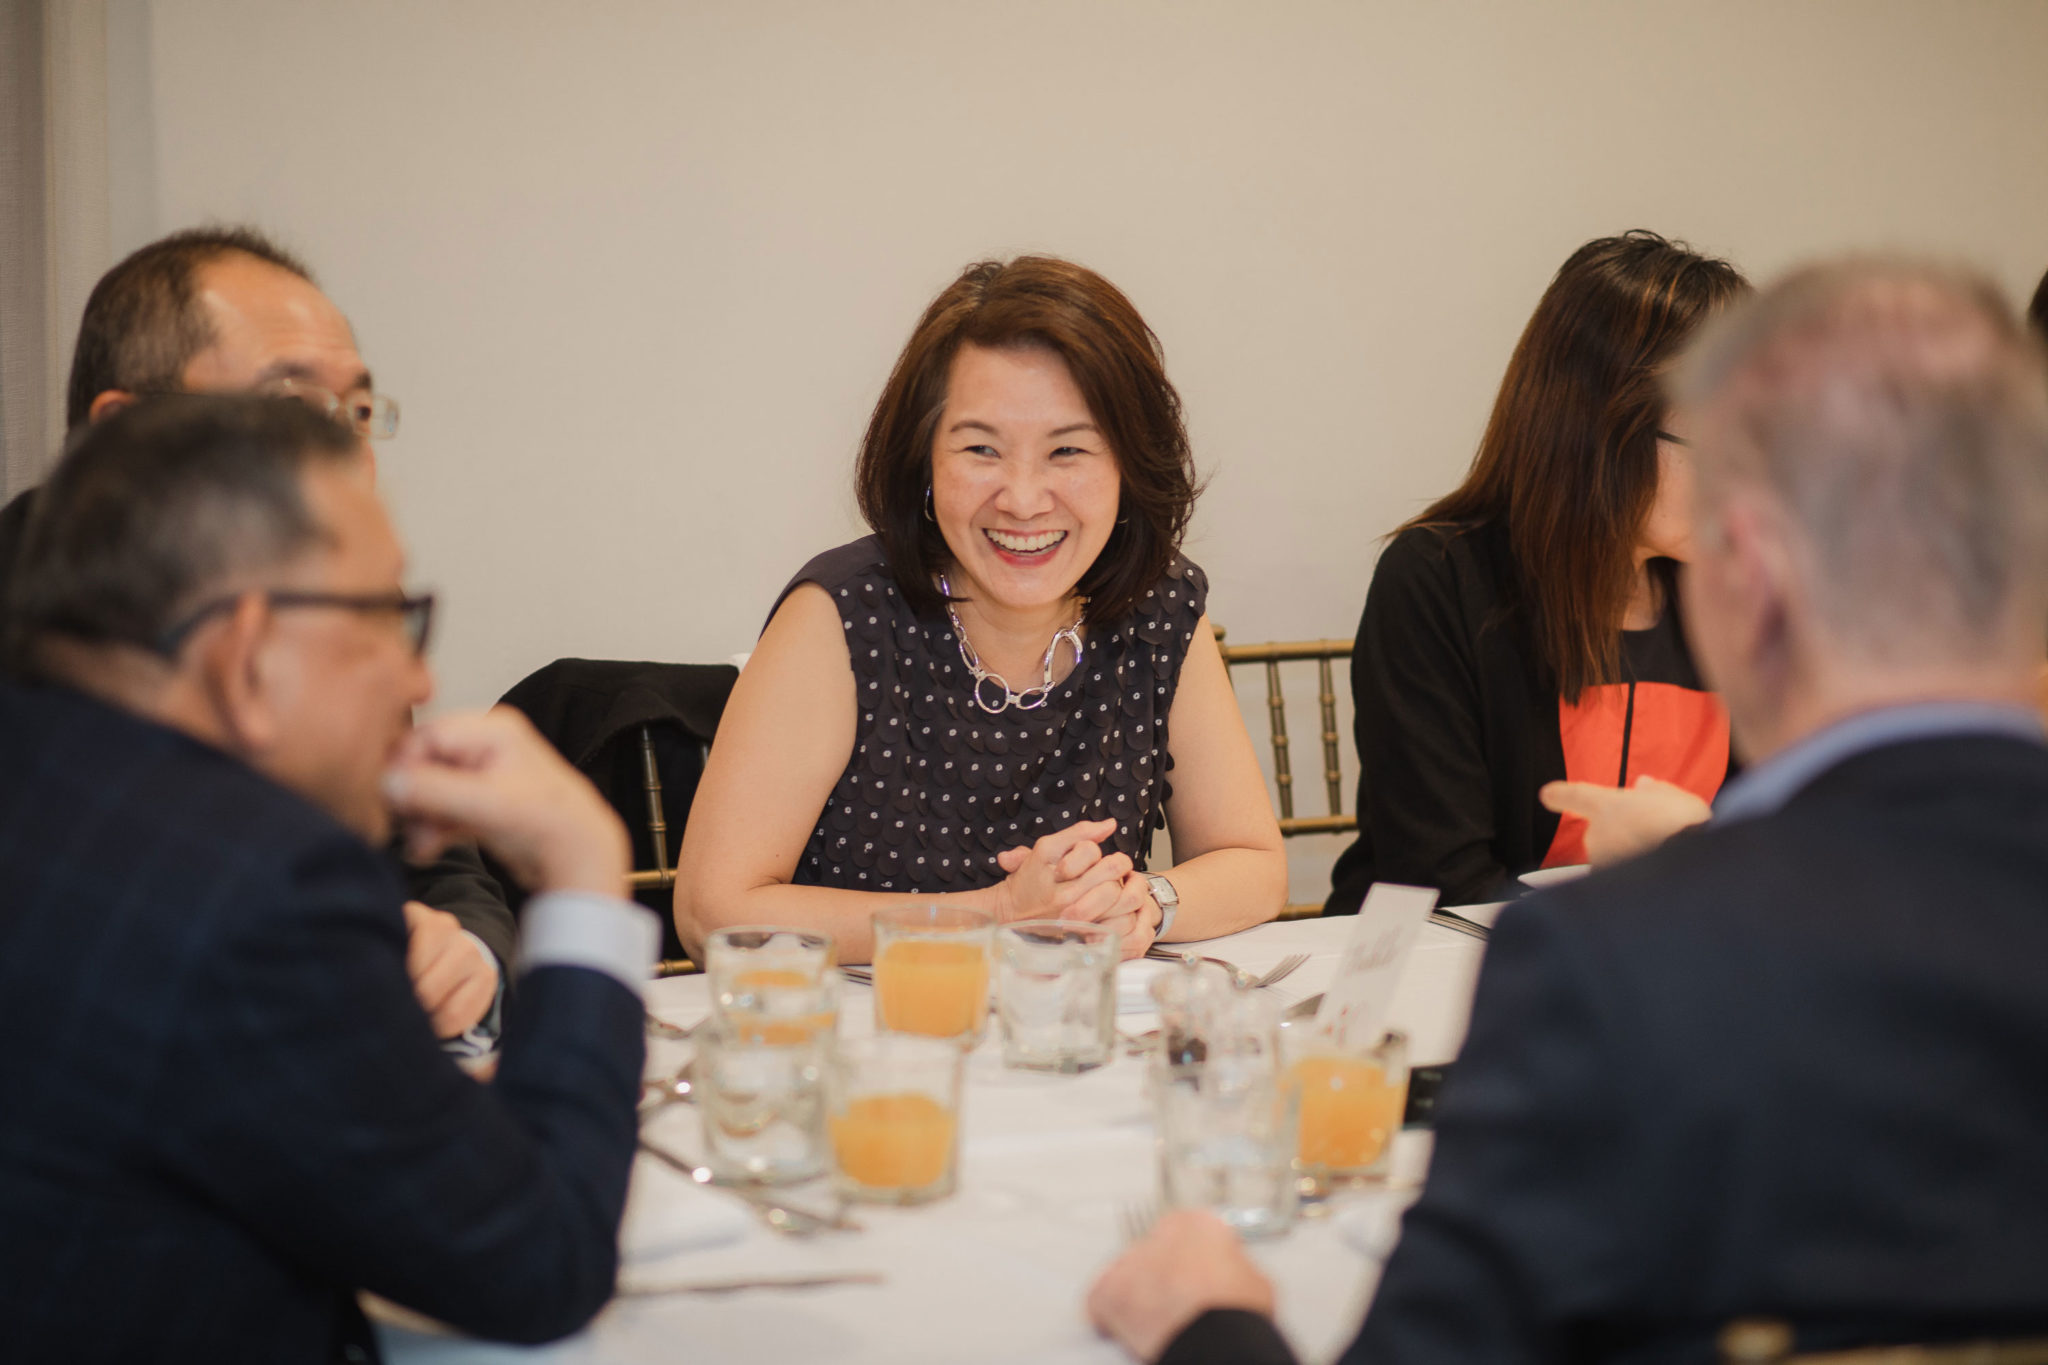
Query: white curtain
x,y
54,237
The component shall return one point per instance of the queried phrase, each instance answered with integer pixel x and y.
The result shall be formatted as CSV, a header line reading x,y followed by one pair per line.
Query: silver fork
x,y
1137,1217
1282,968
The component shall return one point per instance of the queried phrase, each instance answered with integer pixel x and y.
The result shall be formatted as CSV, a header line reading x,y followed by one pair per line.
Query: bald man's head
x,y
1897,415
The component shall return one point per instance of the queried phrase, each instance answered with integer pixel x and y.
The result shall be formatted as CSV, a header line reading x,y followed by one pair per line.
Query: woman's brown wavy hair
x,y
1117,364
1568,464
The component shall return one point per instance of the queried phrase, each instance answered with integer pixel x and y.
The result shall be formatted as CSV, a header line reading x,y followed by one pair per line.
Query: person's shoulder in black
x,y
841,570
1454,721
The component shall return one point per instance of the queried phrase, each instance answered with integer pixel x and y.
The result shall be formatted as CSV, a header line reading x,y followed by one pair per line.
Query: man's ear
x,y
109,402
1761,579
233,677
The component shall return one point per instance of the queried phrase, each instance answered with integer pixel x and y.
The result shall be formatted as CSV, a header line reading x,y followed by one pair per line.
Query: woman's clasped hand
x,y
1066,875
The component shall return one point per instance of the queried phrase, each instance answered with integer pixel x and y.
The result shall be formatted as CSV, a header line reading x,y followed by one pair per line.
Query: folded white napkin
x,y
667,1213
1133,981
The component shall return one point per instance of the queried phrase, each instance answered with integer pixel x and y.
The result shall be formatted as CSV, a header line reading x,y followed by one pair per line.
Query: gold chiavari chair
x,y
1323,652
661,876
639,730
1767,1341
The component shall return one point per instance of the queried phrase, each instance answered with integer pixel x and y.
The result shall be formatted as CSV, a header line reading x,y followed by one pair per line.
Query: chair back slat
x,y
1333,768
1272,655
1276,717
657,826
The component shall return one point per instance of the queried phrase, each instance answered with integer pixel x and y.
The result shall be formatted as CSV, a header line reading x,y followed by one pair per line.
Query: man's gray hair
x,y
159,506
1898,413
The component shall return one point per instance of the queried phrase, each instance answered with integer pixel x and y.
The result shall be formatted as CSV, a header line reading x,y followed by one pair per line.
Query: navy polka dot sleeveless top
x,y
936,787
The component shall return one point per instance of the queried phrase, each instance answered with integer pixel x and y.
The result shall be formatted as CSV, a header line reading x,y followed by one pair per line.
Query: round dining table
x,y
1054,1170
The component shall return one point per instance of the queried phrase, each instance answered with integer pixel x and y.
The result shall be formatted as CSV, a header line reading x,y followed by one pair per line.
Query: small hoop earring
x,y
928,504
1124,520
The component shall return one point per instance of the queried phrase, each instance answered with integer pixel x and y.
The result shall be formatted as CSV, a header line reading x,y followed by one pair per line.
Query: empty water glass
x,y
763,1103
1056,994
1206,1012
1227,1142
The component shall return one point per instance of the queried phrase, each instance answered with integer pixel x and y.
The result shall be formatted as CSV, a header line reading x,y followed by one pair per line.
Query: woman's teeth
x,y
1026,545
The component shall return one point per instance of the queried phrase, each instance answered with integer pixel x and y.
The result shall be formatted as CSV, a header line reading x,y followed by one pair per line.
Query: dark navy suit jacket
x,y
1793,1066
221,1107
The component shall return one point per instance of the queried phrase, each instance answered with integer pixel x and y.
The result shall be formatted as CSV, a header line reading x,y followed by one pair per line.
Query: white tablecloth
x,y
997,1273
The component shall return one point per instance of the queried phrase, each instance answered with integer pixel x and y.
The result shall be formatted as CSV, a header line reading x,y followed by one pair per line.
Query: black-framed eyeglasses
x,y
1663,435
415,612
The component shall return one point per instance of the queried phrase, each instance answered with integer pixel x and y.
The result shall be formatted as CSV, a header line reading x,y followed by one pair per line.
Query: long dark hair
x,y
1568,464
1116,363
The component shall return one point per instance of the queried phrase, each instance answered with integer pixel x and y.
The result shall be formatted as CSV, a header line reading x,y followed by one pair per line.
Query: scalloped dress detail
x,y
936,787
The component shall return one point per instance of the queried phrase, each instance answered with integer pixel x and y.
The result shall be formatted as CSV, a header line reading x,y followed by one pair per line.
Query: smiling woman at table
x,y
974,704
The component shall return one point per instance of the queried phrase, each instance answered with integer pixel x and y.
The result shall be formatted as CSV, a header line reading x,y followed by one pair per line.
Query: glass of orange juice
x,y
894,1117
1352,1100
771,985
932,971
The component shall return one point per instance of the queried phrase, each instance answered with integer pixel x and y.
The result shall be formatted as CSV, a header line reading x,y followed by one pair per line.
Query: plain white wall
x,y
638,270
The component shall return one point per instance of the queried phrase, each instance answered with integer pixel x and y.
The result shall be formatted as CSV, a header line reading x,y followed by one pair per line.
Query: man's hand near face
x,y
492,777
452,973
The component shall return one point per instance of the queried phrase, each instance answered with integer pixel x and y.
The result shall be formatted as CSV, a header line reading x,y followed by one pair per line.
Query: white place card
x,y
1356,1005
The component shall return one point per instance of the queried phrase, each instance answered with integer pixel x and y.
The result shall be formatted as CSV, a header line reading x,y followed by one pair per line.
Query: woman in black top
x,y
975,702
1524,631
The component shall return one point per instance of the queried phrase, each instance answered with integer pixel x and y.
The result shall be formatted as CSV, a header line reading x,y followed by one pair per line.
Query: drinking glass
x,y
763,1102
932,971
1207,1013
1227,1136
772,985
895,1117
1352,1099
1056,994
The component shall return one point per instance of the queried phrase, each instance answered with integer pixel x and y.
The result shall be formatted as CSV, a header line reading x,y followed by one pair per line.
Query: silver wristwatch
x,y
1169,901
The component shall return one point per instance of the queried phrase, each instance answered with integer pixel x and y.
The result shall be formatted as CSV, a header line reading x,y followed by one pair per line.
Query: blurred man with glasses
x,y
225,310
226,1112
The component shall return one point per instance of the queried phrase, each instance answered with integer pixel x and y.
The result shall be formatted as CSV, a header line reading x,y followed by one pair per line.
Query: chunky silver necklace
x,y
1031,698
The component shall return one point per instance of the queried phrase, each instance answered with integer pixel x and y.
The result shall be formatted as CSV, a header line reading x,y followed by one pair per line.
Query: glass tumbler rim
x,y
933,918
806,938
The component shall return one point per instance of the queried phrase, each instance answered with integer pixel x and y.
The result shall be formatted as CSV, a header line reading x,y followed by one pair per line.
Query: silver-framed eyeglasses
x,y
368,414
415,612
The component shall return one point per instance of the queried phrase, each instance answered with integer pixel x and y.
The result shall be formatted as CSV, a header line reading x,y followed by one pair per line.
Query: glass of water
x,y
1056,994
1227,1129
763,1103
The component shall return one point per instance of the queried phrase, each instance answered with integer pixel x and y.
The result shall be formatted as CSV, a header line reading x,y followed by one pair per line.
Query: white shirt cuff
x,y
585,929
